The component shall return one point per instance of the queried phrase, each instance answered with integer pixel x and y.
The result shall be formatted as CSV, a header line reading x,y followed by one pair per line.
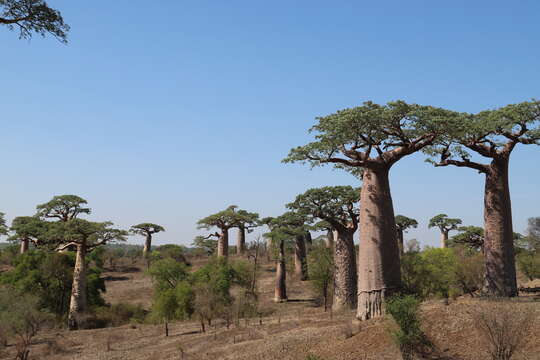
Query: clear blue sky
x,y
167,111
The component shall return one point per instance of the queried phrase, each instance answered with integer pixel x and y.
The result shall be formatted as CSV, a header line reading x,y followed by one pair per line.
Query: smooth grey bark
x,y
444,238
223,244
78,301
25,243
329,240
147,245
300,259
280,291
345,275
379,273
500,275
241,241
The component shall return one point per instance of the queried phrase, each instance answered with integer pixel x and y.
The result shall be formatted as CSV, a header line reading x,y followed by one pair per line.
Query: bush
x,y
529,264
504,326
118,314
167,273
321,272
409,336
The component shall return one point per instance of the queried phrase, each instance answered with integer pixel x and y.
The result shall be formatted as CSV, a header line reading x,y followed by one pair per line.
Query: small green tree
x,y
403,223
167,274
147,230
445,225
321,272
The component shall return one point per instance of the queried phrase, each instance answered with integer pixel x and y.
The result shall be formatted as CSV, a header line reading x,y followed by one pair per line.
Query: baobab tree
x,y
33,16
63,208
84,236
338,206
329,237
246,223
3,227
283,228
223,220
147,230
28,229
445,225
470,236
492,134
403,223
368,140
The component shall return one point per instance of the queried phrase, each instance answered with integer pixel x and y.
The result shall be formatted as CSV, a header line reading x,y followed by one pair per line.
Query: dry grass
x,y
291,331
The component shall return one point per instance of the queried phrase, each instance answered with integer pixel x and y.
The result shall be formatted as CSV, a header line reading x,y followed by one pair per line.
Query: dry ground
x,y
294,330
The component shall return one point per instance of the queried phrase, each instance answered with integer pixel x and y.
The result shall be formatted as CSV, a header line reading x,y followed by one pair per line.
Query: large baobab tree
x,y
445,225
338,206
492,134
403,223
84,236
223,220
33,16
246,222
28,229
147,230
370,139
63,208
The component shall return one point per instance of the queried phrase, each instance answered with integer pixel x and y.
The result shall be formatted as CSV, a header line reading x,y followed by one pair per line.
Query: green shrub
x,y
408,336
529,264
321,273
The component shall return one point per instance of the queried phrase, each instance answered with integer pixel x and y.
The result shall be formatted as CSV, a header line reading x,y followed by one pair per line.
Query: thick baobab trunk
x,y
329,240
147,245
24,245
300,261
379,274
268,248
444,238
280,293
309,240
500,276
401,244
345,276
223,244
241,241
78,301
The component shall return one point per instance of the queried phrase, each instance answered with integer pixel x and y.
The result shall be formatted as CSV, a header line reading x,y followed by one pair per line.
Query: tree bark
x,y
444,238
401,244
500,276
268,248
300,260
329,241
241,241
78,301
280,293
379,273
223,244
147,245
24,245
345,275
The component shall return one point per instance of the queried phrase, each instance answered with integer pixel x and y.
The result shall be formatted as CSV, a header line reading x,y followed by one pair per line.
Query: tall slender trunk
x,y
280,293
401,245
345,276
268,248
223,244
24,245
300,261
78,301
500,276
147,245
241,241
444,238
329,240
379,274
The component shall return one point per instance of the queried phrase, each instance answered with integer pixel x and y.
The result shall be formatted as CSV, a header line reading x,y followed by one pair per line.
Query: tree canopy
x,y
337,205
470,236
146,229
444,223
29,228
3,227
403,222
63,208
82,232
223,220
33,16
371,135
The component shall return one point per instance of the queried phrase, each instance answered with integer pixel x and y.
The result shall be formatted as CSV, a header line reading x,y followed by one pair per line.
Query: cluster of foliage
x,y
49,277
528,250
408,335
321,272
443,273
204,294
